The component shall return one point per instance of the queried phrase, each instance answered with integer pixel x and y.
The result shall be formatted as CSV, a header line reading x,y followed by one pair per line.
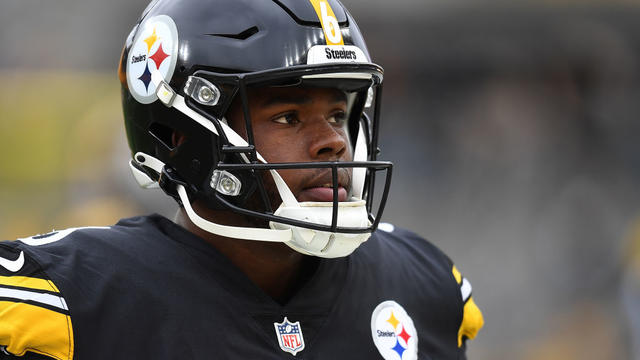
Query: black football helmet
x,y
183,65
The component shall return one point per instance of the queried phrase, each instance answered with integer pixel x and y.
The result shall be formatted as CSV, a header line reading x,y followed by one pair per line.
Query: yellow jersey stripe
x,y
28,282
25,327
472,321
456,274
330,26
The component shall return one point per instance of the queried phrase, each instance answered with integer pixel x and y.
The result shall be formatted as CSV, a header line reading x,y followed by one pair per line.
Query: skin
x,y
289,125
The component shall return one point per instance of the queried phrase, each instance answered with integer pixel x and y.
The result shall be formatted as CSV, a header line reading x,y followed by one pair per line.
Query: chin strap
x,y
236,232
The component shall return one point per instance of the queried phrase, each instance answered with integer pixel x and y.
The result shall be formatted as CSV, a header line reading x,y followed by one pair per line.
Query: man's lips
x,y
322,194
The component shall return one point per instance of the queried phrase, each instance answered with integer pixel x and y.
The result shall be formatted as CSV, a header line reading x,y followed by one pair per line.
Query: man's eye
x,y
338,118
289,118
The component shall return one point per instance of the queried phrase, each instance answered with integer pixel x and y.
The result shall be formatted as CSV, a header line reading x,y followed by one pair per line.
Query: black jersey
x,y
148,289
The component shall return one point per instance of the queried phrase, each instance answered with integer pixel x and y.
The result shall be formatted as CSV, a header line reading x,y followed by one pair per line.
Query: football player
x,y
260,118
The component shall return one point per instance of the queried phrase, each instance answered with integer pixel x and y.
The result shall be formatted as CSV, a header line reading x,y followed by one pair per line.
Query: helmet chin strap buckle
x,y
151,173
142,178
169,181
166,94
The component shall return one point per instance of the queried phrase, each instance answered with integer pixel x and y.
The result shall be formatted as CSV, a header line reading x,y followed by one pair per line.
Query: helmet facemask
x,y
237,180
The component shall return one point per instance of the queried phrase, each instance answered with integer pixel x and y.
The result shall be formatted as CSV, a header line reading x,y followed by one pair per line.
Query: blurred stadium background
x,y
514,130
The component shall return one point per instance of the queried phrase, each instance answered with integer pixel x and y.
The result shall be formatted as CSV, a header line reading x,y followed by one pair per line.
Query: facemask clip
x,y
225,183
202,91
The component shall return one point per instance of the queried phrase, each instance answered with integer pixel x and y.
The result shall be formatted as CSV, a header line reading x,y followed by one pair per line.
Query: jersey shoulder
x,y
95,245
35,317
411,247
420,252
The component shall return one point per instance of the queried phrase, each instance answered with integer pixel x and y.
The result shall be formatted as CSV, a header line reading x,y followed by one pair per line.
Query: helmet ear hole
x,y
166,136
177,138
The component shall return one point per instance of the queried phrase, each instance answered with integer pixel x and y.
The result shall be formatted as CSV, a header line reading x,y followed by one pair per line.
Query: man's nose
x,y
328,142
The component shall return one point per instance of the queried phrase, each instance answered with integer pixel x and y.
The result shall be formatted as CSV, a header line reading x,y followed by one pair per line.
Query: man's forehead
x,y
270,96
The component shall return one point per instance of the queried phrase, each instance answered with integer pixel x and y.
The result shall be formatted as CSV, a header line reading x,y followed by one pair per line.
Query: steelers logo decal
x,y
393,332
154,49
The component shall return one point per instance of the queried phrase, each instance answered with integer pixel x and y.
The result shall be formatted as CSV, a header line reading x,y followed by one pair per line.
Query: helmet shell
x,y
225,37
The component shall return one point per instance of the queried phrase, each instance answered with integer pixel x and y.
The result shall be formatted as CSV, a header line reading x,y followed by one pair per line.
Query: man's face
x,y
300,125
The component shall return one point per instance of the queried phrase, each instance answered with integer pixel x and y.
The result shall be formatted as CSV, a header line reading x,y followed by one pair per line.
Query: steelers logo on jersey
x,y
154,50
393,332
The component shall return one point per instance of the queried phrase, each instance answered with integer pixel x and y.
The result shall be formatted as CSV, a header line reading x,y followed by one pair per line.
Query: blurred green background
x,y
513,129
59,130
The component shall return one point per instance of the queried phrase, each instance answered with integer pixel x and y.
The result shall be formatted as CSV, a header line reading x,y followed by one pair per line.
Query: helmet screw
x,y
205,94
140,158
228,185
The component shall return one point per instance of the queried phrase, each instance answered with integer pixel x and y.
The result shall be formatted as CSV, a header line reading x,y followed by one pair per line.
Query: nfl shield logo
x,y
289,336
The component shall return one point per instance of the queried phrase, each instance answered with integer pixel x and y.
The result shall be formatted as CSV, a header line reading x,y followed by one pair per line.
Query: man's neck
x,y
274,267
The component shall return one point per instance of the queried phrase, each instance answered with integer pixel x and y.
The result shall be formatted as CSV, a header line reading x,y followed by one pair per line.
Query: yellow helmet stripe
x,y
330,26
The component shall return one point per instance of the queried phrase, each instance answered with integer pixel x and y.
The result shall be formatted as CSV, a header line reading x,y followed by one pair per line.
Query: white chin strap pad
x,y
322,243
